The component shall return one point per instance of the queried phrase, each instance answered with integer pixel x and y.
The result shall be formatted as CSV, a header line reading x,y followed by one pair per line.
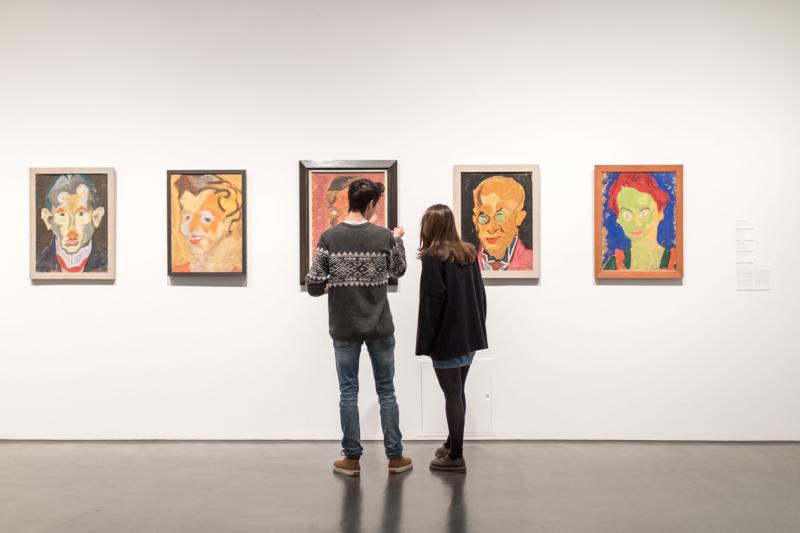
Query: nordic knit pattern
x,y
365,269
354,264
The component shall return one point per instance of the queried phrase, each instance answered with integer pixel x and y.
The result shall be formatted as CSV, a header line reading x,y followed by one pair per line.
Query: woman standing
x,y
452,321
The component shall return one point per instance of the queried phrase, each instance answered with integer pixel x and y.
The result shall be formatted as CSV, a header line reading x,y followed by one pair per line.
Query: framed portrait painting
x,y
206,229
323,199
638,221
497,208
73,213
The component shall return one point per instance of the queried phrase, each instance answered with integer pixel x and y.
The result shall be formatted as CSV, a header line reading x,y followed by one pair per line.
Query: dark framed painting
x,y
638,227
323,199
73,223
206,222
497,208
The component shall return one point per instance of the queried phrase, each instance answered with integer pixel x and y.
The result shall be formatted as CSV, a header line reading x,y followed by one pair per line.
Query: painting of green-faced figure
x,y
638,230
72,223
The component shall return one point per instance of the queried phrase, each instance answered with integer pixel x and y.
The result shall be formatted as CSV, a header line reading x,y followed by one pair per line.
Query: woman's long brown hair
x,y
438,236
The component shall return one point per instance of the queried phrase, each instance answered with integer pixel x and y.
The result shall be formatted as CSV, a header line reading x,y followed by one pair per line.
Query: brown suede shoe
x,y
441,451
445,464
399,465
348,467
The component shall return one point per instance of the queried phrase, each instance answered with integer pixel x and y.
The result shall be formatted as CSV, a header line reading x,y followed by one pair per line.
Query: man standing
x,y
72,215
353,263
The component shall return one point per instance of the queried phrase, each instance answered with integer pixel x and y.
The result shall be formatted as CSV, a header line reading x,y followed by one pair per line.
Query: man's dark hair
x,y
363,192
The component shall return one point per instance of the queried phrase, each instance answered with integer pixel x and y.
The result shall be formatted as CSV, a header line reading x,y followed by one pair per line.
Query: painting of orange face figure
x,y
498,212
207,222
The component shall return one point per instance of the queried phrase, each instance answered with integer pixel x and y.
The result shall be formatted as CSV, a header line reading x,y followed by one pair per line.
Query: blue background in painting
x,y
615,238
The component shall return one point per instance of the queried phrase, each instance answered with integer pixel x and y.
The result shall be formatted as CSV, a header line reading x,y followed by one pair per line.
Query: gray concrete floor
x,y
287,487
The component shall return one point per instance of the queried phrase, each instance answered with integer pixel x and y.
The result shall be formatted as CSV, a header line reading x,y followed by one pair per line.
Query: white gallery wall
x,y
156,85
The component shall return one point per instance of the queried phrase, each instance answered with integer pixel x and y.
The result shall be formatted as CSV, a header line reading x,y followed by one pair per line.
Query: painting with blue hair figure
x,y
639,228
70,213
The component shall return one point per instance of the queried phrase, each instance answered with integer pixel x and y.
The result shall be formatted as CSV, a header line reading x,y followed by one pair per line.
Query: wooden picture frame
x,y
665,202
232,203
519,243
312,220
96,260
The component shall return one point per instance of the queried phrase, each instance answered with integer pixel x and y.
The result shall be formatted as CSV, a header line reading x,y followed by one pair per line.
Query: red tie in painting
x,y
65,268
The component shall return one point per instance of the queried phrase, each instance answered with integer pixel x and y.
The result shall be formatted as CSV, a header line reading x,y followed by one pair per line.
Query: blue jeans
x,y
381,354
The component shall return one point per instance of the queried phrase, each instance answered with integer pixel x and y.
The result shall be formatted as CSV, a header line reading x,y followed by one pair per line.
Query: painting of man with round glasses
x,y
498,208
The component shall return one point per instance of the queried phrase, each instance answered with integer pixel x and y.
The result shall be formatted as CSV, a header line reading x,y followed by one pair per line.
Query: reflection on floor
x,y
287,487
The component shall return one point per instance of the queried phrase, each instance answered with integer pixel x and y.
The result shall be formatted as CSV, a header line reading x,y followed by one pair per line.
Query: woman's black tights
x,y
452,381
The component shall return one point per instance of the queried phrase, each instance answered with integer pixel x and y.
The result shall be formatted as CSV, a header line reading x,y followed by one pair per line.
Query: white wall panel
x,y
149,86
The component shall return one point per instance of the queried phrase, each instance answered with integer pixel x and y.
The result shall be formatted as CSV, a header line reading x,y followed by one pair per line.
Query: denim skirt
x,y
455,362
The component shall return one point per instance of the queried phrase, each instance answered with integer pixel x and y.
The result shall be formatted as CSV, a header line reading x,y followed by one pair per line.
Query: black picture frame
x,y
355,165
170,272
